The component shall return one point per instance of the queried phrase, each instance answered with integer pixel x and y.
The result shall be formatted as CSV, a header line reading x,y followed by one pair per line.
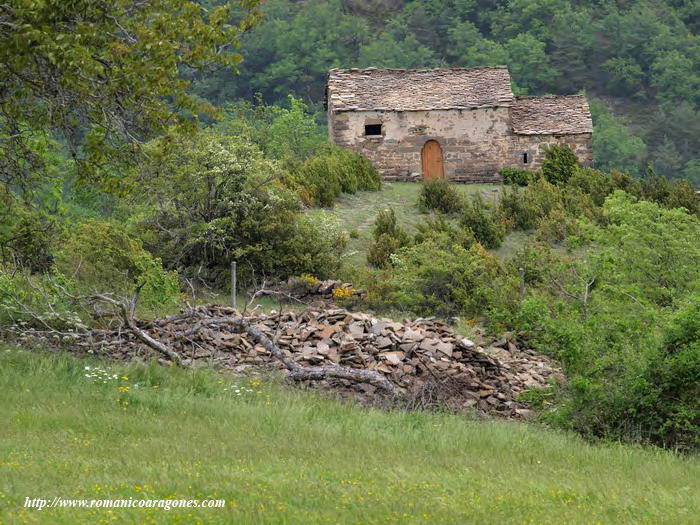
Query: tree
x,y
614,147
559,164
216,199
104,74
530,63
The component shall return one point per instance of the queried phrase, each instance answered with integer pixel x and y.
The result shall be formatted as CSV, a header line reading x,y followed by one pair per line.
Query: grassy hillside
x,y
358,212
285,456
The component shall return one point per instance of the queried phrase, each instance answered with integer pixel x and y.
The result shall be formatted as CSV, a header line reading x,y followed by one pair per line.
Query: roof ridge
x,y
404,70
532,97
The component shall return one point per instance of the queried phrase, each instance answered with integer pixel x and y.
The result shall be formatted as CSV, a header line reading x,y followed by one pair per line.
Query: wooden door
x,y
431,160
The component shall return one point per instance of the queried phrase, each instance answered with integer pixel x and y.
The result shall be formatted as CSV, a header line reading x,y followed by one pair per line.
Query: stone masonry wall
x,y
535,146
475,144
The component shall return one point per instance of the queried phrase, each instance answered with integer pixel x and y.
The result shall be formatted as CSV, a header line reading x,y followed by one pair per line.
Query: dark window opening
x,y
526,158
373,129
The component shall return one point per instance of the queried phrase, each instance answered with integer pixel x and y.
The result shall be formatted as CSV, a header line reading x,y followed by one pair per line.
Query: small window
x,y
373,129
526,158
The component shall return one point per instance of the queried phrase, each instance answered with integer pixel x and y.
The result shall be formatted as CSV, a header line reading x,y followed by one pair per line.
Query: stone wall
x,y
535,146
475,144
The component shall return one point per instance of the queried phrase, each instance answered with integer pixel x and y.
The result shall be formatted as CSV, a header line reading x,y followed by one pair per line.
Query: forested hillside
x,y
638,58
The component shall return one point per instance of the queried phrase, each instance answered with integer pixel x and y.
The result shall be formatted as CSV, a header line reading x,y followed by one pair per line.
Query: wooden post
x,y
233,285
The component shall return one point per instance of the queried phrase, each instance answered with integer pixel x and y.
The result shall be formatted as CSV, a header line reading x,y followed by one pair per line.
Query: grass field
x,y
358,212
278,455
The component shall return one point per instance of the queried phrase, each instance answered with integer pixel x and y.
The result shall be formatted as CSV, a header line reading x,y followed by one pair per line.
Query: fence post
x,y
233,286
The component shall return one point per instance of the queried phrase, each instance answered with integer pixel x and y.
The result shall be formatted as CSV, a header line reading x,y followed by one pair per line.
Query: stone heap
x,y
414,355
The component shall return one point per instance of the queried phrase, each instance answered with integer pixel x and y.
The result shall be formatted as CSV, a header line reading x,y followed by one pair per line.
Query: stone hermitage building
x,y
463,124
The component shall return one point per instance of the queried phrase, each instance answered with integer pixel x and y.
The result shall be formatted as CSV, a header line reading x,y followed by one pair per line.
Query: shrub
x,y
386,224
38,300
559,164
26,233
321,177
683,195
316,245
388,238
217,200
516,177
592,182
439,225
487,228
440,195
332,172
517,210
380,251
101,257
556,227
438,277
655,188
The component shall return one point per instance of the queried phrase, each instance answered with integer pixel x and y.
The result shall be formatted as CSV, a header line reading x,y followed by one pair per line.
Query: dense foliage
x,y
103,74
607,283
217,199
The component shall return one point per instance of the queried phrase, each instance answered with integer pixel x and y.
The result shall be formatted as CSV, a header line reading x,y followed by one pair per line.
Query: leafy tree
x,y
216,199
614,147
468,47
408,53
529,64
104,74
288,134
559,164
626,75
667,160
692,171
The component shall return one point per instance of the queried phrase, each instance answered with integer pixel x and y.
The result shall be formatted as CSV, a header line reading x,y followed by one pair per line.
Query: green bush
x,y
388,238
440,225
216,199
517,210
38,300
655,188
386,224
440,195
594,183
632,374
101,257
682,195
380,251
556,227
517,177
488,228
440,277
559,164
322,178
26,233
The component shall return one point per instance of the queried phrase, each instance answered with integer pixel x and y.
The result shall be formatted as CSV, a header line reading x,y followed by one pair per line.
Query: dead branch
x,y
127,308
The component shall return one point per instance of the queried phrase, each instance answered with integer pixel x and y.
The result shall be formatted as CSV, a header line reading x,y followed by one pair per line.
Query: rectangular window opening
x,y
373,129
526,158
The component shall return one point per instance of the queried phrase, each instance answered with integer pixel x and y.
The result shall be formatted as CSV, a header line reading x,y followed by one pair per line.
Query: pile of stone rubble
x,y
420,357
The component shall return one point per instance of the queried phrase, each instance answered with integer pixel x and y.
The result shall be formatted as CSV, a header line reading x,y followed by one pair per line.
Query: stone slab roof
x,y
551,115
375,89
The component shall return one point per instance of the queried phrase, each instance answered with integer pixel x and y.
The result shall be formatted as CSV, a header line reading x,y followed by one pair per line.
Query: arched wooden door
x,y
431,160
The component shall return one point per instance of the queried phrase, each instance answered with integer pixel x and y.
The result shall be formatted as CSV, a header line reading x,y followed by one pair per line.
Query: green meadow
x,y
278,454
